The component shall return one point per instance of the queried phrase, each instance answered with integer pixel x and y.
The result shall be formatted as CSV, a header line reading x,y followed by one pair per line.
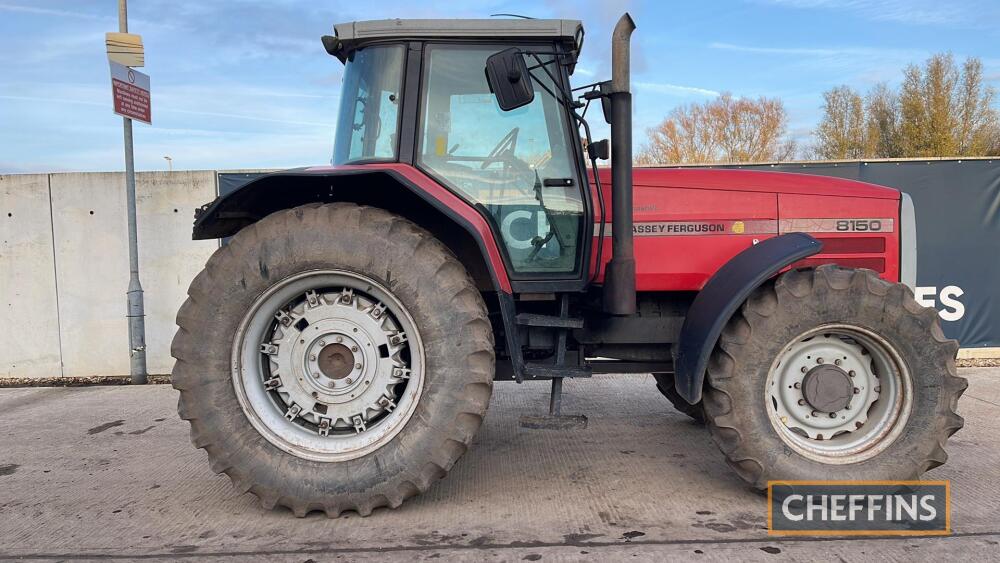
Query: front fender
x,y
722,295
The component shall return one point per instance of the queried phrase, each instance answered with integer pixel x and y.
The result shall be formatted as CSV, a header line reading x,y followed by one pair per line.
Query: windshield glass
x,y
518,164
369,105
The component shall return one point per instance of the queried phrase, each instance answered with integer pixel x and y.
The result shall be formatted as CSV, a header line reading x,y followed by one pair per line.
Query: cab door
x,y
519,167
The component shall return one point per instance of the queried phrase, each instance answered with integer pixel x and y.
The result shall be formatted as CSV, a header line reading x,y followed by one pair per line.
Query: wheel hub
x,y
336,361
335,371
827,388
837,393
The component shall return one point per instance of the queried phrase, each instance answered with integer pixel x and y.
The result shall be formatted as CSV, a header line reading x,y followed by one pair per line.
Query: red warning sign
x,y
130,89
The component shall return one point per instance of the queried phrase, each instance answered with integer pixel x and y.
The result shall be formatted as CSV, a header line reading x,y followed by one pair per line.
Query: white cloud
x,y
968,13
674,89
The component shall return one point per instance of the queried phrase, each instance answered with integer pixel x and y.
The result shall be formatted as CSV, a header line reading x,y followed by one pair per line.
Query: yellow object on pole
x,y
125,48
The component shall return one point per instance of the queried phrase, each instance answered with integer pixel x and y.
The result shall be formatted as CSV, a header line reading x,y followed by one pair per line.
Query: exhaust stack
x,y
619,275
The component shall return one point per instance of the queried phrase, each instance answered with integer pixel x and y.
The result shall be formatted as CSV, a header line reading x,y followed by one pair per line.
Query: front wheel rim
x,y
328,365
811,416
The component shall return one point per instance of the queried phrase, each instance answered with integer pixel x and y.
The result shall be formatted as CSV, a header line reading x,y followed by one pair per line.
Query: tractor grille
x,y
849,252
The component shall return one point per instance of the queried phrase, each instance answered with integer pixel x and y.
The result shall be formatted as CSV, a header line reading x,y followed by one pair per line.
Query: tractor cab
x,y
417,91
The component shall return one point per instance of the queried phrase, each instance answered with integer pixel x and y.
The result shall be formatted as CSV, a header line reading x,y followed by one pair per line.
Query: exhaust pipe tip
x,y
620,45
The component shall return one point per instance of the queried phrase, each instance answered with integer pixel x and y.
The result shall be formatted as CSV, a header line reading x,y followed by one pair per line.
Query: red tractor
x,y
340,351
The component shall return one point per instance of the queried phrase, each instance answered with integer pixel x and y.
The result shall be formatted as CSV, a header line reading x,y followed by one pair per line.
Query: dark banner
x,y
957,205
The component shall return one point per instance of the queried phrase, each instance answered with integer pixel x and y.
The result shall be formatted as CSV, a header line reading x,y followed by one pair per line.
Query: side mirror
x,y
509,80
605,88
600,150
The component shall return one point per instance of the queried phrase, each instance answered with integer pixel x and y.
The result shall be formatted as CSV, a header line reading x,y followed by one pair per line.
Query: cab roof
x,y
351,35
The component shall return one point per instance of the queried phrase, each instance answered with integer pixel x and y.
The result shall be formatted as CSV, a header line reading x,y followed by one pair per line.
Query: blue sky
x,y
242,84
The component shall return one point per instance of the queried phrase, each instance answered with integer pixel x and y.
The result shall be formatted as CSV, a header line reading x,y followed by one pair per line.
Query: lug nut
x,y
802,402
803,370
819,360
340,339
322,342
354,348
357,366
797,385
312,357
833,415
856,390
837,362
349,381
852,373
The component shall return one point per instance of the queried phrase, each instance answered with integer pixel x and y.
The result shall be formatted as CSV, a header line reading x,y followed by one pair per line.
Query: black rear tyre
x,y
304,456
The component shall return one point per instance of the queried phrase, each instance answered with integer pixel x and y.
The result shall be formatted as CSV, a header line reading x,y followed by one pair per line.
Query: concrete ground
x,y
105,473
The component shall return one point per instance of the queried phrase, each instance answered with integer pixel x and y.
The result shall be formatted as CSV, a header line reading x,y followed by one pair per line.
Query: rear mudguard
x,y
722,295
290,188
381,185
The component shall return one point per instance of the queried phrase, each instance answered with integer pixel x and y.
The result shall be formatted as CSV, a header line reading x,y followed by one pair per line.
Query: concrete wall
x,y
64,268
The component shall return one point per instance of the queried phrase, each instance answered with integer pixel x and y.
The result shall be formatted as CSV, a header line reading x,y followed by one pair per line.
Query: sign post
x,y
131,97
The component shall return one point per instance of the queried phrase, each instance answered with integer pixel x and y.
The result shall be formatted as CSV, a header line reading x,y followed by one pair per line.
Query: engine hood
x,y
753,181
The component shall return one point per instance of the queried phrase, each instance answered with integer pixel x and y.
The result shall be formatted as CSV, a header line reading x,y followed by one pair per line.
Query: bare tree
x,y
882,123
940,110
979,126
842,133
725,129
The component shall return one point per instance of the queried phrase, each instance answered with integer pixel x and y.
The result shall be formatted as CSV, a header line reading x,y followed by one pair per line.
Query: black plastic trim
x,y
725,291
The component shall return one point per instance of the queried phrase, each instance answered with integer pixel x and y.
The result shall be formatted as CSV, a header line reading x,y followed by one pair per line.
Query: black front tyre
x,y
832,374
665,384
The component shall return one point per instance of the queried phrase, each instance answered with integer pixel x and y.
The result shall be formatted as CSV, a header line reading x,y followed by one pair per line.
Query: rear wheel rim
x,y
804,402
328,365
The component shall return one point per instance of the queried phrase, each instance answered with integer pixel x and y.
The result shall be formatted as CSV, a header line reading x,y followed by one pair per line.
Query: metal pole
x,y
135,313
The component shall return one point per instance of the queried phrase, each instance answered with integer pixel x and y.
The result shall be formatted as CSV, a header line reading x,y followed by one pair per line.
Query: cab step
x,y
531,319
550,371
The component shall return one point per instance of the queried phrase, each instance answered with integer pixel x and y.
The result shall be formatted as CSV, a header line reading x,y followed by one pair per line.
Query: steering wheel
x,y
507,144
